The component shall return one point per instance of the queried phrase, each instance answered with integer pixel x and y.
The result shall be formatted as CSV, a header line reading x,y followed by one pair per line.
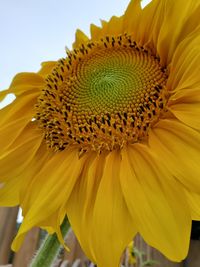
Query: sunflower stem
x,y
49,250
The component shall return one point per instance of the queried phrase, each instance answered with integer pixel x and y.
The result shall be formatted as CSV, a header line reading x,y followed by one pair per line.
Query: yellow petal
x,y
174,28
148,27
25,82
29,81
46,68
21,107
9,192
95,32
41,157
98,32
112,227
178,147
11,131
142,24
184,80
81,202
52,225
113,27
188,113
81,38
184,71
131,17
19,154
3,94
193,200
156,202
98,213
14,118
57,177
154,25
13,163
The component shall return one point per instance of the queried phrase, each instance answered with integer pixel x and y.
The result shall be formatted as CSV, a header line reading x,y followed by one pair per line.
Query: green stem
x,y
49,250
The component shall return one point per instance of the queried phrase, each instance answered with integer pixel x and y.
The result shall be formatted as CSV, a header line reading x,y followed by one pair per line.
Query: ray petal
x,y
40,202
156,202
100,216
178,147
46,68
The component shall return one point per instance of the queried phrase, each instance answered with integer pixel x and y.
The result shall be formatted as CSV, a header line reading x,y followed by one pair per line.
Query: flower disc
x,y
102,96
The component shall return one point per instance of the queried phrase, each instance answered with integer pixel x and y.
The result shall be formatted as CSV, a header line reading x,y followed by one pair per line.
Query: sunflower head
x,y
109,135
104,95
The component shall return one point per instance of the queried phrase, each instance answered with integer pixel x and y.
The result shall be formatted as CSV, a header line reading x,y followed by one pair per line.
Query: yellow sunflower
x,y
110,135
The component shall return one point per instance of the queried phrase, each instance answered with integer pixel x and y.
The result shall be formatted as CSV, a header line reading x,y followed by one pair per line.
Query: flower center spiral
x,y
104,95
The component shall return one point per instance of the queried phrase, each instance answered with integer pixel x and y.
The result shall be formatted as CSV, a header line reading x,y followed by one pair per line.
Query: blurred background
x,y
137,254
33,31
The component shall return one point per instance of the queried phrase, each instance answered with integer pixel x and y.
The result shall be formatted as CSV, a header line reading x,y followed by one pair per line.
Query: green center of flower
x,y
104,95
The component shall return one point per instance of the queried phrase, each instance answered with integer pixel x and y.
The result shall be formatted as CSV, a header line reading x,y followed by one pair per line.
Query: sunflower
x,y
110,135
